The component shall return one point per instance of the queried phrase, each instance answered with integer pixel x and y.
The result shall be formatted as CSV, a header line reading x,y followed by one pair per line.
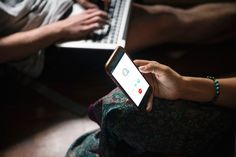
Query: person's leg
x,y
158,24
151,25
172,127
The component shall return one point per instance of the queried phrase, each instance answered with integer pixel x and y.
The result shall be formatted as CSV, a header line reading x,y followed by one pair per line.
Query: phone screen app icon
x,y
130,79
140,91
125,72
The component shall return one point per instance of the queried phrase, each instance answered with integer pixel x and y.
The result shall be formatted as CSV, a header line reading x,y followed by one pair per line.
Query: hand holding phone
x,y
127,76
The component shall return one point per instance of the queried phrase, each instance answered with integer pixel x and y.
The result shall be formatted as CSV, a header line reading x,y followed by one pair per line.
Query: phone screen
x,y
130,79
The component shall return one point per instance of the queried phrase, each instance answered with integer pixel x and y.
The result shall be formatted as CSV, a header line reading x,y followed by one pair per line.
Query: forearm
x,y
197,89
23,44
209,23
228,92
203,90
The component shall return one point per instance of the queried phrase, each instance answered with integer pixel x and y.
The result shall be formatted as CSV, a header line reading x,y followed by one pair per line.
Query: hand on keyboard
x,y
109,32
100,33
80,25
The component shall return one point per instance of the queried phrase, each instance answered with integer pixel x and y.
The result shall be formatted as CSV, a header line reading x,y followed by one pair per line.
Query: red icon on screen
x,y
140,90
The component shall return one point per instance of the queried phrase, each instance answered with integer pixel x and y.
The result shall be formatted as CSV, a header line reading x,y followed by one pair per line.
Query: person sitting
x,y
185,116
29,27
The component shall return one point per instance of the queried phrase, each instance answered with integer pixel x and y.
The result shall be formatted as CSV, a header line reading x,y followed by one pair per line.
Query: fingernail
x,y
141,68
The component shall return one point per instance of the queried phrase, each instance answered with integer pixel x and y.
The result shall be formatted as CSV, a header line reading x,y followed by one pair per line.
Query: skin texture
x,y
206,23
168,84
29,42
201,24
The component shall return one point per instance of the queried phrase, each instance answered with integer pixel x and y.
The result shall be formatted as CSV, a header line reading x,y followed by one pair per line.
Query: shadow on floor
x,y
37,124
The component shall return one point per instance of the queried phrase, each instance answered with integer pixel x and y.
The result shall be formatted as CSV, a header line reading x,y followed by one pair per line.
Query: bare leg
x,y
210,23
151,25
206,23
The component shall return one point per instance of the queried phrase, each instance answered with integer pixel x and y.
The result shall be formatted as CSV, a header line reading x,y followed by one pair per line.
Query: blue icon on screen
x,y
138,81
125,72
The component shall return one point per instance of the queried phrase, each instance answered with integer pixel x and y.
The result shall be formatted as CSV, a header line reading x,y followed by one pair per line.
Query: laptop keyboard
x,y
112,34
109,32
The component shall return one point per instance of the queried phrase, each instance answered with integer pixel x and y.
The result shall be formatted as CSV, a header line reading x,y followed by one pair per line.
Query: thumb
x,y
154,68
148,68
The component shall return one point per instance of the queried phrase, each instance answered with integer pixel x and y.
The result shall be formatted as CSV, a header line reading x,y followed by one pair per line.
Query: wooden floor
x,y
41,118
38,127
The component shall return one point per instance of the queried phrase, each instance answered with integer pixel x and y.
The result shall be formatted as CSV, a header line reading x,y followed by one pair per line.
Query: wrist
x,y
217,88
59,29
44,36
197,89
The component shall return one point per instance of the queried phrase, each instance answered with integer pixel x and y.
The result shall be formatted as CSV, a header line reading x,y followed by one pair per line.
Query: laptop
x,y
109,37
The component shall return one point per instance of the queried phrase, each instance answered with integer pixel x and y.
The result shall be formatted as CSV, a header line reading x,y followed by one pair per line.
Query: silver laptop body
x,y
112,35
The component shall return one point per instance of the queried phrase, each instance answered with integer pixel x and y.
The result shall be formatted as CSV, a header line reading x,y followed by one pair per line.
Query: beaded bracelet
x,y
217,88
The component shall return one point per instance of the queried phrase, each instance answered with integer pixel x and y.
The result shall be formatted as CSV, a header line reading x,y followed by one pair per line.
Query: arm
x,y
202,89
169,84
23,44
20,45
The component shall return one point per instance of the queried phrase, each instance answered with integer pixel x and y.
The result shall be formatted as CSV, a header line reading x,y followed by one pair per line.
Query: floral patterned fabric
x,y
179,127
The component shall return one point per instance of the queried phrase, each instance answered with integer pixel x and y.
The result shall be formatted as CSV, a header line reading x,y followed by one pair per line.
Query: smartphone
x,y
126,75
